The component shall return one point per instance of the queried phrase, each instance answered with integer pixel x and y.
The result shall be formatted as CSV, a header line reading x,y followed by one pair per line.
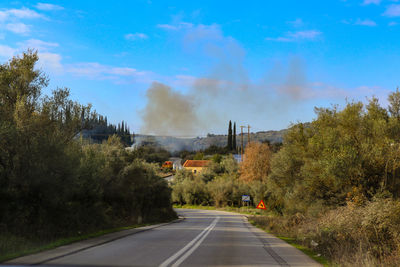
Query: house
x,y
196,166
168,165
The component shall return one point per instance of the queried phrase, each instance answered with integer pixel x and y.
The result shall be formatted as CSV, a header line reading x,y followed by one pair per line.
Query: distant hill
x,y
199,143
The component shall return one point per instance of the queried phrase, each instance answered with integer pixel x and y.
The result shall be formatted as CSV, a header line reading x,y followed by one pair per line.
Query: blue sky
x,y
263,63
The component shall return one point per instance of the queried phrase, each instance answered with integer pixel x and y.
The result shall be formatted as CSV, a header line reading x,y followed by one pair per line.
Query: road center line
x,y
195,246
205,232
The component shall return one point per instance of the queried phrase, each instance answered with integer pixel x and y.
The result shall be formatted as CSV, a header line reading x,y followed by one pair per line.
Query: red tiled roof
x,y
196,163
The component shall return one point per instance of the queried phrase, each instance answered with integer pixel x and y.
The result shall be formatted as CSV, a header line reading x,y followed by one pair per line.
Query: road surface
x,y
203,238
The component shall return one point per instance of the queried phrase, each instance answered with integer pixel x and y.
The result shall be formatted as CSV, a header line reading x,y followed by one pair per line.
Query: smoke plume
x,y
169,112
225,93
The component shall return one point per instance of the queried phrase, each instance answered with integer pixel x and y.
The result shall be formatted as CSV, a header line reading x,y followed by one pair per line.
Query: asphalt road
x,y
203,238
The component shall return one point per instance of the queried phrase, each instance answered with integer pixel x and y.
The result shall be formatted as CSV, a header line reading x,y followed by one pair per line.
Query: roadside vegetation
x,y
55,185
333,186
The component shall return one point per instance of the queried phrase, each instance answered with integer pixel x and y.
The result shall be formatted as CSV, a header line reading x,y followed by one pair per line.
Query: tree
x,y
234,145
230,136
394,104
256,163
199,156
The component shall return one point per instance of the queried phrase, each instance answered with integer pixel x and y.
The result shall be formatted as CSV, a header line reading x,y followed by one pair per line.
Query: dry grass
x,y
354,235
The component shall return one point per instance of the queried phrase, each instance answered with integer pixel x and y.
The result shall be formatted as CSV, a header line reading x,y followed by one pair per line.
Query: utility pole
x,y
241,150
248,134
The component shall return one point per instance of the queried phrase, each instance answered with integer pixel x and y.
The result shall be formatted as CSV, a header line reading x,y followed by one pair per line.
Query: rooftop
x,y
196,163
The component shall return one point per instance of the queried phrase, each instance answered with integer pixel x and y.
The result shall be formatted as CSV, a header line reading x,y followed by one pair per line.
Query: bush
x,y
218,185
352,235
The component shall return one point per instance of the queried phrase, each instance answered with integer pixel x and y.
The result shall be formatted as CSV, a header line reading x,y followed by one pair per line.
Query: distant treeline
x,y
100,130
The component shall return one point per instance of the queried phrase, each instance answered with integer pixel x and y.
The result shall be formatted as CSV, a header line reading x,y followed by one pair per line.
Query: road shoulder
x,y
65,250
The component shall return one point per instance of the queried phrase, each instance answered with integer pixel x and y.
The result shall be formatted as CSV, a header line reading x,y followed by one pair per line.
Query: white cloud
x,y
6,51
167,27
19,28
296,36
50,62
95,70
178,26
279,39
392,11
365,22
37,44
184,80
311,34
368,2
296,23
12,15
135,36
47,7
392,23
23,13
203,32
3,15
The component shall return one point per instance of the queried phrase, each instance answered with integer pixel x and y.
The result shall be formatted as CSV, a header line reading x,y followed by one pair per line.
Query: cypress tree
x,y
234,147
230,136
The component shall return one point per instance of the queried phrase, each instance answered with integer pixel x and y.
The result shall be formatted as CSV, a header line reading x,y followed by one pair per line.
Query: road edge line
x,y
132,232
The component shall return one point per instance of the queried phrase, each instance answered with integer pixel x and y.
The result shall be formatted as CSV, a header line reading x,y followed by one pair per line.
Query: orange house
x,y
196,166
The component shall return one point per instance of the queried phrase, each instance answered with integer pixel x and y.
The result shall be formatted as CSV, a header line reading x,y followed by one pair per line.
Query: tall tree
x,y
394,104
234,146
230,136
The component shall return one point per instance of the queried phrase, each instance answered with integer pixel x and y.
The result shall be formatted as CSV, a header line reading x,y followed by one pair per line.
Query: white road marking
x,y
195,246
193,243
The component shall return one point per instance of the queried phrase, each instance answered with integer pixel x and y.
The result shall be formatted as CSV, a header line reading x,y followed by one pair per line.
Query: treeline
x,y
52,185
100,130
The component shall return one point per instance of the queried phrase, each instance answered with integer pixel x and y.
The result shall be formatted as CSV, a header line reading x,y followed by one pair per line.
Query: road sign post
x,y
246,199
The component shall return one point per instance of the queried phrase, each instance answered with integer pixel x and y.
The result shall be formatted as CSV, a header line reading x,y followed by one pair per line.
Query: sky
x,y
185,68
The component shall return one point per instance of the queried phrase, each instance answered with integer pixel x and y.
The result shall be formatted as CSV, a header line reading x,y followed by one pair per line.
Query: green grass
x,y
13,247
242,210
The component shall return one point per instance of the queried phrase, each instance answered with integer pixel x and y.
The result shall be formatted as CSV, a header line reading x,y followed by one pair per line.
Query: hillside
x,y
199,143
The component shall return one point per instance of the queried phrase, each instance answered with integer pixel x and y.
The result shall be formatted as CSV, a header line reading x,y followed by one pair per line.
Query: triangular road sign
x,y
261,205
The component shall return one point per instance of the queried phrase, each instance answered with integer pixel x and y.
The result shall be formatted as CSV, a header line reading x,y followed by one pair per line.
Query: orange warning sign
x,y
261,205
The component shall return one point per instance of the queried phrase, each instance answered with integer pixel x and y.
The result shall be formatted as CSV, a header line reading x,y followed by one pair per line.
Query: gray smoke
x,y
225,92
213,100
169,112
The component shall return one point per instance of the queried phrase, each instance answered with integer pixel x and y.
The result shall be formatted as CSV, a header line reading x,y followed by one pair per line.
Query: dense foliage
x,y
51,184
344,155
219,185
